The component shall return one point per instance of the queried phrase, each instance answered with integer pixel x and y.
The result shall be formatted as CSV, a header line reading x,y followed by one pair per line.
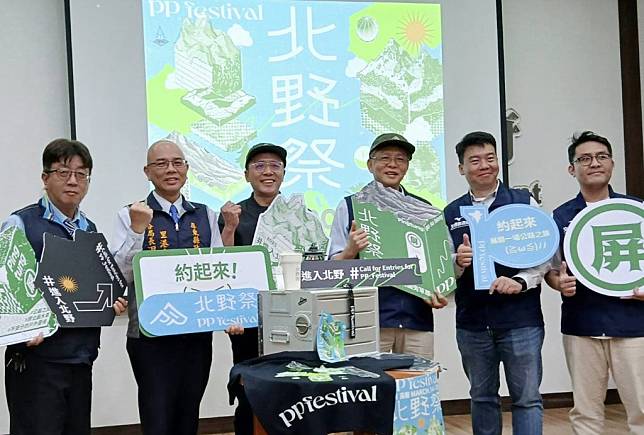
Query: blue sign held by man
x,y
516,235
198,311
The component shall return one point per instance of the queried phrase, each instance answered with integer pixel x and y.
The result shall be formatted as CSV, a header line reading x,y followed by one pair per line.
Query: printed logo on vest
x,y
459,222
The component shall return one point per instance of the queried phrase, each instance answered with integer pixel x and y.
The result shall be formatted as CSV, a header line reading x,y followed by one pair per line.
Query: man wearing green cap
x,y
406,321
264,170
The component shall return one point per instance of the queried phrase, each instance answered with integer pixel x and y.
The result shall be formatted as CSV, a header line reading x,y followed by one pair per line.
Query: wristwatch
x,y
524,285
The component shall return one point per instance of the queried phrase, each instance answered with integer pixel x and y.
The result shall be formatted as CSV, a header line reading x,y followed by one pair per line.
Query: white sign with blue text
x,y
196,290
516,235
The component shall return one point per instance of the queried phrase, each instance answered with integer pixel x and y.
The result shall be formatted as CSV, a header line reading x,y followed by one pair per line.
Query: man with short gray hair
x,y
406,321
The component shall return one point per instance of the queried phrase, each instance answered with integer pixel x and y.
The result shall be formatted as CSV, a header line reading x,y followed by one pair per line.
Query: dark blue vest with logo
x,y
589,313
399,309
194,220
165,230
477,310
67,345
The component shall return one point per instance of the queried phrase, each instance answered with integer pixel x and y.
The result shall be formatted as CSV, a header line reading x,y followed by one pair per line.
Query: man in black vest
x,y
48,381
264,170
601,334
172,371
406,321
504,324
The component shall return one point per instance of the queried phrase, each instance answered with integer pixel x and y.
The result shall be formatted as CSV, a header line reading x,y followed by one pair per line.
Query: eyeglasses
x,y
64,174
164,164
261,165
385,160
587,159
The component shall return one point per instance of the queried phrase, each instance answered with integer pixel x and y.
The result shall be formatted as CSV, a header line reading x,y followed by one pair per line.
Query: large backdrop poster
x,y
321,78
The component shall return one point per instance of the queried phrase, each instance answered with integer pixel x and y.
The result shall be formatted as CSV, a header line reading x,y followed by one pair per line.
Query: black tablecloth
x,y
287,405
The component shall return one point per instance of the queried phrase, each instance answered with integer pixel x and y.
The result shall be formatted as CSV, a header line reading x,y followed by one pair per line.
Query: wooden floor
x,y
555,422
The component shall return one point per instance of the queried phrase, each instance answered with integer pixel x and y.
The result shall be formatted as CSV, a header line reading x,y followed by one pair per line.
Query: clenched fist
x,y
231,213
140,217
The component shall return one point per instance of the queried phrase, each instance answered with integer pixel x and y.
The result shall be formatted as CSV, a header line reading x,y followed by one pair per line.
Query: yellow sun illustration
x,y
414,30
68,284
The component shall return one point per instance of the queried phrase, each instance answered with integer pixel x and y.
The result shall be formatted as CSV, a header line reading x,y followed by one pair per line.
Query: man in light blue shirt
x,y
48,381
171,371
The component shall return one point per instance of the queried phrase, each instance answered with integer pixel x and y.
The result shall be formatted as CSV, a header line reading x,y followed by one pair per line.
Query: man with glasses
x,y
504,324
601,334
171,371
264,170
406,321
49,380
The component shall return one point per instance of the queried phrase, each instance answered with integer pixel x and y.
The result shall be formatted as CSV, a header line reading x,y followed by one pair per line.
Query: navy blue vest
x,y
588,313
193,232
67,345
477,310
166,236
399,309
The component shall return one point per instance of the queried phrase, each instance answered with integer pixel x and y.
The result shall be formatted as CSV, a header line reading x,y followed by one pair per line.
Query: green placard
x,y
418,231
23,312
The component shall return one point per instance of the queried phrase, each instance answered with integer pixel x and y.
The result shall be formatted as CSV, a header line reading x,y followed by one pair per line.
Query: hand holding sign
x,y
638,295
234,330
358,241
437,301
505,286
36,340
120,306
567,283
464,253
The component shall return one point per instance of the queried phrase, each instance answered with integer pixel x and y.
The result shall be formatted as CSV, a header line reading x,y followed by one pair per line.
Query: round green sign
x,y
604,246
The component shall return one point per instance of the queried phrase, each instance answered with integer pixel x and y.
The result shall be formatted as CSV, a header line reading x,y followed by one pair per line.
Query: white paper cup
x,y
291,264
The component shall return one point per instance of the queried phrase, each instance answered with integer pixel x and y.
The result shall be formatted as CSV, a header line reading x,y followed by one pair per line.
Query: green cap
x,y
392,139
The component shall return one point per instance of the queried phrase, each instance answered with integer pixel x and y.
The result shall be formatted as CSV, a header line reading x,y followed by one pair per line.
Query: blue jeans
x,y
520,351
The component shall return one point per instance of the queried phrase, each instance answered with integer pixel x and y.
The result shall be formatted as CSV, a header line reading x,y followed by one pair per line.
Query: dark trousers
x,y
47,398
245,347
172,374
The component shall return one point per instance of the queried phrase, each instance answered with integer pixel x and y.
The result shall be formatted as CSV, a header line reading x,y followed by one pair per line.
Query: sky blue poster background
x,y
329,101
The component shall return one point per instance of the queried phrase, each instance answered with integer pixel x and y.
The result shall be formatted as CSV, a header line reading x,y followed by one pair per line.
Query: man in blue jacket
x,y
48,381
601,334
505,323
